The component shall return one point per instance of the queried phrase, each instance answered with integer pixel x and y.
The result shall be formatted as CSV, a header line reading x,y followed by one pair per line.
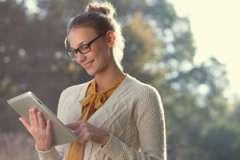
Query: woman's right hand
x,y
39,128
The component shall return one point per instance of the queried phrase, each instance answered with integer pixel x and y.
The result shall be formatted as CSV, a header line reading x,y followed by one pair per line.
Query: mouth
x,y
86,65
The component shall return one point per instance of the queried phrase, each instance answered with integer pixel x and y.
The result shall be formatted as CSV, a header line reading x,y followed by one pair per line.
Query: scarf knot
x,y
92,101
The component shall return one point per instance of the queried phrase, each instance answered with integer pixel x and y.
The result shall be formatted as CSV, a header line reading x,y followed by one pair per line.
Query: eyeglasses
x,y
82,49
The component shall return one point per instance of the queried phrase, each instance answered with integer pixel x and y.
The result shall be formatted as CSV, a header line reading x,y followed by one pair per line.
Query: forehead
x,y
80,34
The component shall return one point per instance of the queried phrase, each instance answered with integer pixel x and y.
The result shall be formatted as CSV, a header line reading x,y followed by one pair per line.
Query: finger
x,y
79,135
73,125
33,117
76,133
30,116
84,136
41,120
25,123
49,127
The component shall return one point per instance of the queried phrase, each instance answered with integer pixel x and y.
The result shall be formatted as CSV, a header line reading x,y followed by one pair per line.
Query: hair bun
x,y
105,8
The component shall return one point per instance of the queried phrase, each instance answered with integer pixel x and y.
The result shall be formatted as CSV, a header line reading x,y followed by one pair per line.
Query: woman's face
x,y
95,58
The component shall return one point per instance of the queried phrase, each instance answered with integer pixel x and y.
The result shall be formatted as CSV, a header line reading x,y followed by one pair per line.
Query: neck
x,y
108,77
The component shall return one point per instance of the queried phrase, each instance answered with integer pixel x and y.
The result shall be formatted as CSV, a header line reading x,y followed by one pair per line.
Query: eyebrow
x,y
78,45
84,41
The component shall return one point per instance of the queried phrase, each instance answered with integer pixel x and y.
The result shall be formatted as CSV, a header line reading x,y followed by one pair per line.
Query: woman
x,y
114,115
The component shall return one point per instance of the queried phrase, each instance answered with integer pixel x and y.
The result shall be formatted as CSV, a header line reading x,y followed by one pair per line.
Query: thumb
x,y
25,123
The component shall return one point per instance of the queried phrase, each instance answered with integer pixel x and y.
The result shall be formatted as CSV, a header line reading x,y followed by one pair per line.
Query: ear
x,y
110,38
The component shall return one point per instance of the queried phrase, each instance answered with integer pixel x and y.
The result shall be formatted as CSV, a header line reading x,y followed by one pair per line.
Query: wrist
x,y
42,148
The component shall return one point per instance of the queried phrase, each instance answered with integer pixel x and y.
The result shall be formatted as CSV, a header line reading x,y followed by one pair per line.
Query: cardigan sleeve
x,y
55,153
150,122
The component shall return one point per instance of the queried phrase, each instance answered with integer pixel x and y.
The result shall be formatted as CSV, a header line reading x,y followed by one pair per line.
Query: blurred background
x,y
183,48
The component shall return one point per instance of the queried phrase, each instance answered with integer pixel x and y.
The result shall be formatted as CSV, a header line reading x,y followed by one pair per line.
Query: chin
x,y
93,70
90,72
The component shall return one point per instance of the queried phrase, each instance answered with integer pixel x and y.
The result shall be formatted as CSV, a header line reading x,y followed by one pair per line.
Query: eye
x,y
84,47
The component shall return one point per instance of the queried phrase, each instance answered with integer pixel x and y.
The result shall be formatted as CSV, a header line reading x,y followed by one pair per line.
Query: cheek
x,y
102,54
98,55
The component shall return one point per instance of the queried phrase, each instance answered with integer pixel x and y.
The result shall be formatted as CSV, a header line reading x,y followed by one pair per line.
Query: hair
x,y
100,16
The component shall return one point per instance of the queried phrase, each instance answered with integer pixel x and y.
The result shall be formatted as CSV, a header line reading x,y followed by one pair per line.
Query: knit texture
x,y
92,101
133,116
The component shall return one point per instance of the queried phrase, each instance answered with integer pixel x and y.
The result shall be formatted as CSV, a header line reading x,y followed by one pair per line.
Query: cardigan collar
x,y
102,114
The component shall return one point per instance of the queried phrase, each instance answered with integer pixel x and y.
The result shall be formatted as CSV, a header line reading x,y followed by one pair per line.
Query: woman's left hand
x,y
86,132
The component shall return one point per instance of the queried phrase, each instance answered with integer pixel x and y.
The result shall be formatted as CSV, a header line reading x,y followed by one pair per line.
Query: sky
x,y
216,31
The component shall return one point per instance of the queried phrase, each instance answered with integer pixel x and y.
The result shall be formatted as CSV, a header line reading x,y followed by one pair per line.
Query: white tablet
x,y
22,103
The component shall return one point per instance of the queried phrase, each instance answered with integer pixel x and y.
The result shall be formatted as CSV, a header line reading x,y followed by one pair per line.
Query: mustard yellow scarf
x,y
92,101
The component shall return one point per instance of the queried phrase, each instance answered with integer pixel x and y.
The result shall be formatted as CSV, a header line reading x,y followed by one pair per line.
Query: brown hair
x,y
100,16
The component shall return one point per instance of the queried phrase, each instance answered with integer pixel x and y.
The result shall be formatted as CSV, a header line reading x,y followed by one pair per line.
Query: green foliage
x,y
222,141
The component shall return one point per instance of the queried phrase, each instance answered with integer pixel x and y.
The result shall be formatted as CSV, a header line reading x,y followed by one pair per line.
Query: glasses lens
x,y
85,48
71,53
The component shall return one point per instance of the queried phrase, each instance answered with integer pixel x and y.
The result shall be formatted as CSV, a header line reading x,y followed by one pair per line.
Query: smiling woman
x,y
114,115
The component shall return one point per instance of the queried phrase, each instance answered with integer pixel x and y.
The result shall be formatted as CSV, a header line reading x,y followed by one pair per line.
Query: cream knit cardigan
x,y
133,116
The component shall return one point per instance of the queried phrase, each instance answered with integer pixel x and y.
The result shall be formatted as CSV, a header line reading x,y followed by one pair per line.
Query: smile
x,y
87,64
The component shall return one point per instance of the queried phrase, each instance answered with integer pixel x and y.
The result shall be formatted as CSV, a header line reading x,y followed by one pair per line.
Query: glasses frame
x,y
71,52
